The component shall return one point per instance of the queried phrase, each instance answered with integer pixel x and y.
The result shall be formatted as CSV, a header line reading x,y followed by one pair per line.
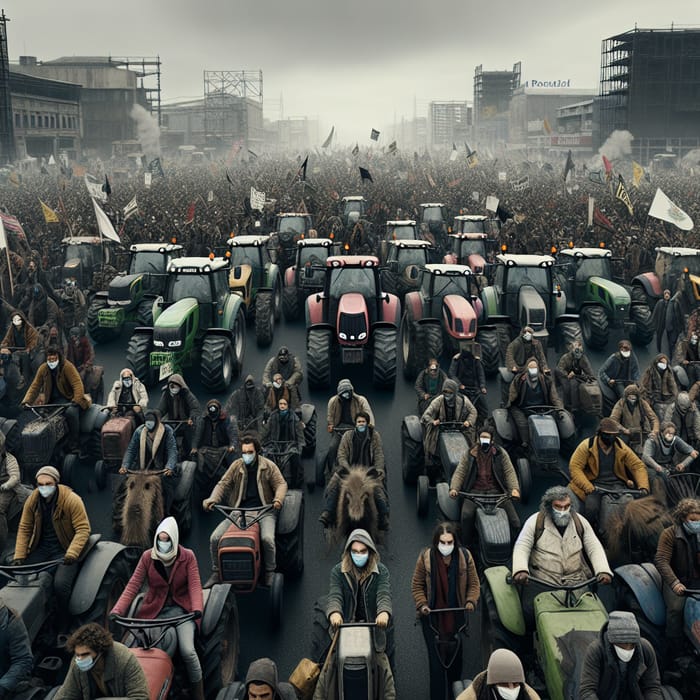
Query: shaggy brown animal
x,y
356,506
633,535
142,509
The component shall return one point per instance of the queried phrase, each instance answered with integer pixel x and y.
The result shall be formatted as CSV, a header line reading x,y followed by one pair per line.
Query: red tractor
x,y
352,319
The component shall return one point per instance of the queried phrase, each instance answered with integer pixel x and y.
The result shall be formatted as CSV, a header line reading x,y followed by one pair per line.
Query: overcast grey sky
x,y
352,64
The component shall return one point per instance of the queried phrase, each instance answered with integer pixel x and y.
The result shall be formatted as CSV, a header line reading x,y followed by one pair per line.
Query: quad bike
x,y
240,549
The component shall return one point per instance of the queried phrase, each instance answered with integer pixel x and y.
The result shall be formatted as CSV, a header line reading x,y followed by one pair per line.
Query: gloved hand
x,y
521,578
382,620
469,607
208,503
424,610
69,560
644,492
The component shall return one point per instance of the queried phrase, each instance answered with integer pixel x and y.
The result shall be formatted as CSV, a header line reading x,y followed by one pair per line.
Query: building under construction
x,y
492,93
650,86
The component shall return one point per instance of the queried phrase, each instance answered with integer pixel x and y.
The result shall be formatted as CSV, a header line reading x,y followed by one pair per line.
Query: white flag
x,y
502,176
95,189
492,203
210,196
104,224
663,208
475,196
147,177
453,154
591,207
52,160
257,199
130,209
3,236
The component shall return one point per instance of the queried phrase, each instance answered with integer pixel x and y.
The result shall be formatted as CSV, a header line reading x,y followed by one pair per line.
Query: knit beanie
x,y
344,385
49,471
504,667
623,628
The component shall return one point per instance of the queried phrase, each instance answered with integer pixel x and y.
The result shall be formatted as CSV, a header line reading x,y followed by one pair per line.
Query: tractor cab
x,y
402,256
83,256
353,289
433,220
468,249
291,226
439,281
148,266
312,254
353,208
471,223
250,257
405,230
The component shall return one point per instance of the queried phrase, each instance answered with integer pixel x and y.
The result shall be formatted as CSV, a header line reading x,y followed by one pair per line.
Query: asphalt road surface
x,y
407,536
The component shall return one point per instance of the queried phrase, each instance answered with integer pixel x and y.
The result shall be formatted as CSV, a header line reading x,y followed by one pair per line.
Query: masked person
x,y
178,403
172,587
216,442
283,435
503,679
686,355
620,370
573,369
684,414
289,367
660,385
16,659
343,409
523,348
620,663
636,417
10,488
21,337
128,397
101,668
466,369
428,384
360,591
666,452
246,405
277,392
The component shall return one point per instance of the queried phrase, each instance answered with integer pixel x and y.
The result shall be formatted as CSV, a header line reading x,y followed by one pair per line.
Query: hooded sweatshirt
x,y
262,671
169,525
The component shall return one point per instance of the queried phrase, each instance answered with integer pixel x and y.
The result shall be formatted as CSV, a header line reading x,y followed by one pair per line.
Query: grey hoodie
x,y
262,671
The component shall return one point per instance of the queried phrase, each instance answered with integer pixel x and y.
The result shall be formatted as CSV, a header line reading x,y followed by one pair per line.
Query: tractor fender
x,y
232,306
505,375
391,309
288,519
290,276
449,507
185,482
507,600
314,309
272,277
413,306
213,607
226,332
144,330
566,425
102,295
650,283
459,317
91,574
92,418
307,412
157,307
503,424
489,297
450,259
567,318
681,377
414,429
645,583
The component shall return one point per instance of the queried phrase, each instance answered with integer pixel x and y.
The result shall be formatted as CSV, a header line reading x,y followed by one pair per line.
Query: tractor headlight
x,y
159,343
174,343
343,336
362,336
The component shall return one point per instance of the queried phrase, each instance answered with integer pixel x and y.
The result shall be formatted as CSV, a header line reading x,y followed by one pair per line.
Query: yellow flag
x,y
545,125
472,160
637,173
15,179
50,216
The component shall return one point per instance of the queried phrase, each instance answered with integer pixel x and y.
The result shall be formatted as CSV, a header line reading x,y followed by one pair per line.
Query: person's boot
x,y
197,690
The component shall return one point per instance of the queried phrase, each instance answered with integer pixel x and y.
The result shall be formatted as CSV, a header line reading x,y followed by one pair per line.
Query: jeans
x,y
185,642
63,576
267,523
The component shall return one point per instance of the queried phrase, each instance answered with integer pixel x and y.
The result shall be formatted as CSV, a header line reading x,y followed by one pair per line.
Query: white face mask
x,y
17,321
445,549
527,336
164,546
623,654
52,364
661,365
508,693
532,371
277,385
625,353
174,390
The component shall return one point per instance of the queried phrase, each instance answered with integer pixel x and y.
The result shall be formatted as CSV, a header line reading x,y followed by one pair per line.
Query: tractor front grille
x,y
237,566
353,327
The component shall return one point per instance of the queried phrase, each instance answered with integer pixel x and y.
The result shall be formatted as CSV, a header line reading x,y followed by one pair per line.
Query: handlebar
x,y
147,472
138,627
12,572
555,586
616,493
242,522
485,500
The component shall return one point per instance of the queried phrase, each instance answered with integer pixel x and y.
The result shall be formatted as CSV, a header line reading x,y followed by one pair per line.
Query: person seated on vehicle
x,y
43,312
360,591
684,414
466,369
128,397
262,682
686,354
172,587
216,442
178,403
530,389
604,460
557,545
101,668
659,385
449,407
341,414
573,369
252,481
54,525
57,382
289,366
485,468
279,390
72,303
620,369
445,576
679,565
636,417
16,658
503,679
428,383
247,405
23,338
10,488
80,352
620,663
283,435
524,348
153,448
361,446
666,452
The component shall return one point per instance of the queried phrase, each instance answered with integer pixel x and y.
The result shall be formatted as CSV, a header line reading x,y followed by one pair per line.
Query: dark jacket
x,y
16,658
182,406
468,371
278,426
613,366
601,678
376,450
581,367
164,458
466,472
519,352
222,430
68,381
674,556
247,407
478,690
518,390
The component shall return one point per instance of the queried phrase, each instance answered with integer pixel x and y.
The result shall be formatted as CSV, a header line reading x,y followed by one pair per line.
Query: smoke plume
x,y
148,131
618,146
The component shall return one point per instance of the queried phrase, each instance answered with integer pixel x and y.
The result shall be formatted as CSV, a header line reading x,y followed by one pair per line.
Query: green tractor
x,y
131,294
524,293
257,280
586,275
198,322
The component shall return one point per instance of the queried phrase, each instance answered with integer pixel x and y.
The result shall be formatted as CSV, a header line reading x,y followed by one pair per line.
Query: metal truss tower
x,y
7,137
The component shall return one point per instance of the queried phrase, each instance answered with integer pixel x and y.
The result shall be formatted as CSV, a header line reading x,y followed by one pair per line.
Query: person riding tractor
x,y
636,418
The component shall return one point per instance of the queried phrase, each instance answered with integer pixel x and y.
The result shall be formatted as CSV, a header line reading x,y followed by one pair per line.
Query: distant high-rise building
x,y
450,122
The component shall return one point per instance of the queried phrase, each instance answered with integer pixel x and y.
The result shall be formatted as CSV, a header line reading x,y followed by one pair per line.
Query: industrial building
x,y
449,123
492,93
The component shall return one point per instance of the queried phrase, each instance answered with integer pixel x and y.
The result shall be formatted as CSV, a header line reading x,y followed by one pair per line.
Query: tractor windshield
x,y
402,233
469,226
450,284
352,279
353,205
594,267
296,224
537,277
88,254
310,255
181,286
147,262
469,246
433,214
241,255
679,264
412,256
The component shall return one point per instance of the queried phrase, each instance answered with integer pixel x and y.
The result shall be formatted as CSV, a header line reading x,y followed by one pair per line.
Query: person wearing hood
x,y
503,679
216,442
449,406
16,659
289,367
283,433
636,417
276,391
429,383
247,405
620,663
342,411
262,682
128,397
153,448
10,487
684,414
573,369
523,348
678,561
172,587
58,381
360,591
686,355
620,370
178,403
54,524
23,338
101,668
660,386
666,452
468,371
81,353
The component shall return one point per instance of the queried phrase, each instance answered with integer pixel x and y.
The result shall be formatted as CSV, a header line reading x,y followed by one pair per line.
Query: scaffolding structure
x,y
493,90
144,67
650,86
7,137
226,97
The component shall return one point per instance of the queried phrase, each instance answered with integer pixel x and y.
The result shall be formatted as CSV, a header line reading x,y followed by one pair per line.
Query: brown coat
x,y
518,387
519,352
70,385
645,419
423,580
659,386
465,474
31,337
70,521
584,467
674,558
232,485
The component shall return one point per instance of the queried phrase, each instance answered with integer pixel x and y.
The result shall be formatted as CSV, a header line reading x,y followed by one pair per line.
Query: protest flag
x,y
365,174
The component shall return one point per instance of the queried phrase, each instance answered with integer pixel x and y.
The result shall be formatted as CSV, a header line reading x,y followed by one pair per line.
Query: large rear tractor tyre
x,y
290,550
409,347
111,587
290,304
384,367
138,353
411,458
594,327
239,331
100,334
276,598
264,319
429,342
568,332
217,364
219,651
643,332
639,295
490,351
318,358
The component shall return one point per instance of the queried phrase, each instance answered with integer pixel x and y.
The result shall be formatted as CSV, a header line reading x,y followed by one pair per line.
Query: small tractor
x,y
352,209
433,221
673,266
404,261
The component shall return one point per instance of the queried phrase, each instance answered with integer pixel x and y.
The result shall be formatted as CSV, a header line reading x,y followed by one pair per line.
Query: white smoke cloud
x,y
618,146
148,131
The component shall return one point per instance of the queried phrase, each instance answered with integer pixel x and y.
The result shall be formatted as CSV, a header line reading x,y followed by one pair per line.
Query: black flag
x,y
365,174
301,174
569,165
356,150
156,168
107,188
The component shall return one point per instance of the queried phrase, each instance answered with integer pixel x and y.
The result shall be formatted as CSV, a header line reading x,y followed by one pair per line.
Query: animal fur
x,y
633,535
142,509
356,506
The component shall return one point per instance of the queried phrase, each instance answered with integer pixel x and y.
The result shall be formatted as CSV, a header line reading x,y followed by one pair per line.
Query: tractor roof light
x,y
571,244
173,240
227,255
369,263
601,244
686,270
346,246
331,235
553,250
335,263
207,268
232,235
504,248
161,250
